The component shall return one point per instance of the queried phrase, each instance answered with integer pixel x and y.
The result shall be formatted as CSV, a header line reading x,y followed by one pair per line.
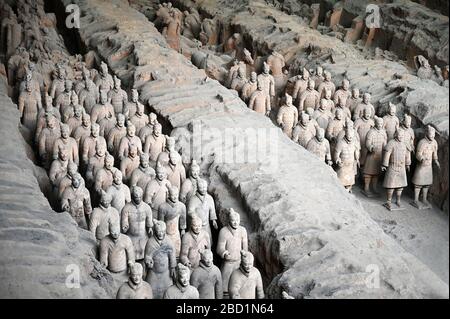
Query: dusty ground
x,y
423,233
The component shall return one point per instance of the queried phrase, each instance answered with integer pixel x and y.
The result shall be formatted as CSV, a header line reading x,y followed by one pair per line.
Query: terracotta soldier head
x,y
259,85
161,173
133,151
117,177
194,170
65,131
114,229
206,258
120,120
327,76
103,97
406,121
105,199
173,194
196,224
366,113
139,109
157,129
355,93
152,118
320,134
345,84
95,130
305,74
392,109
311,85
183,275
202,187
378,123
304,118
366,98
86,120
173,157
328,94
338,114
76,180
430,132
109,162
136,194
68,86
234,219
103,69
131,130
266,68
247,261
50,120
72,169
63,154
159,229
319,71
399,135
253,77
136,273
144,160
77,110
288,99
349,133
117,83
134,95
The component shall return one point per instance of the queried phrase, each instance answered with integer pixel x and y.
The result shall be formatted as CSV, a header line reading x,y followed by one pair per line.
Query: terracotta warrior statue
x,y
104,80
102,110
148,128
173,214
353,101
267,81
116,250
301,84
90,143
309,98
189,186
102,216
163,157
249,87
76,119
66,180
58,84
42,114
318,77
139,119
118,97
105,175
76,201
29,105
191,25
327,84
176,173
335,126
341,105
58,168
329,103
135,287
159,257
82,131
172,30
260,100
64,99
346,157
156,191
116,134
193,242
322,115
405,126
246,281
207,277
239,81
142,175
202,205
119,192
47,140
89,95
155,143
375,142
396,161
426,155
320,147
362,127
287,116
129,139
182,289
343,93
95,163
232,240
66,142
304,131
130,163
391,122
137,221
365,104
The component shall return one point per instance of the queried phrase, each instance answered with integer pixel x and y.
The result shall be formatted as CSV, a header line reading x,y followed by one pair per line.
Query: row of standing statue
x,y
343,130
117,175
